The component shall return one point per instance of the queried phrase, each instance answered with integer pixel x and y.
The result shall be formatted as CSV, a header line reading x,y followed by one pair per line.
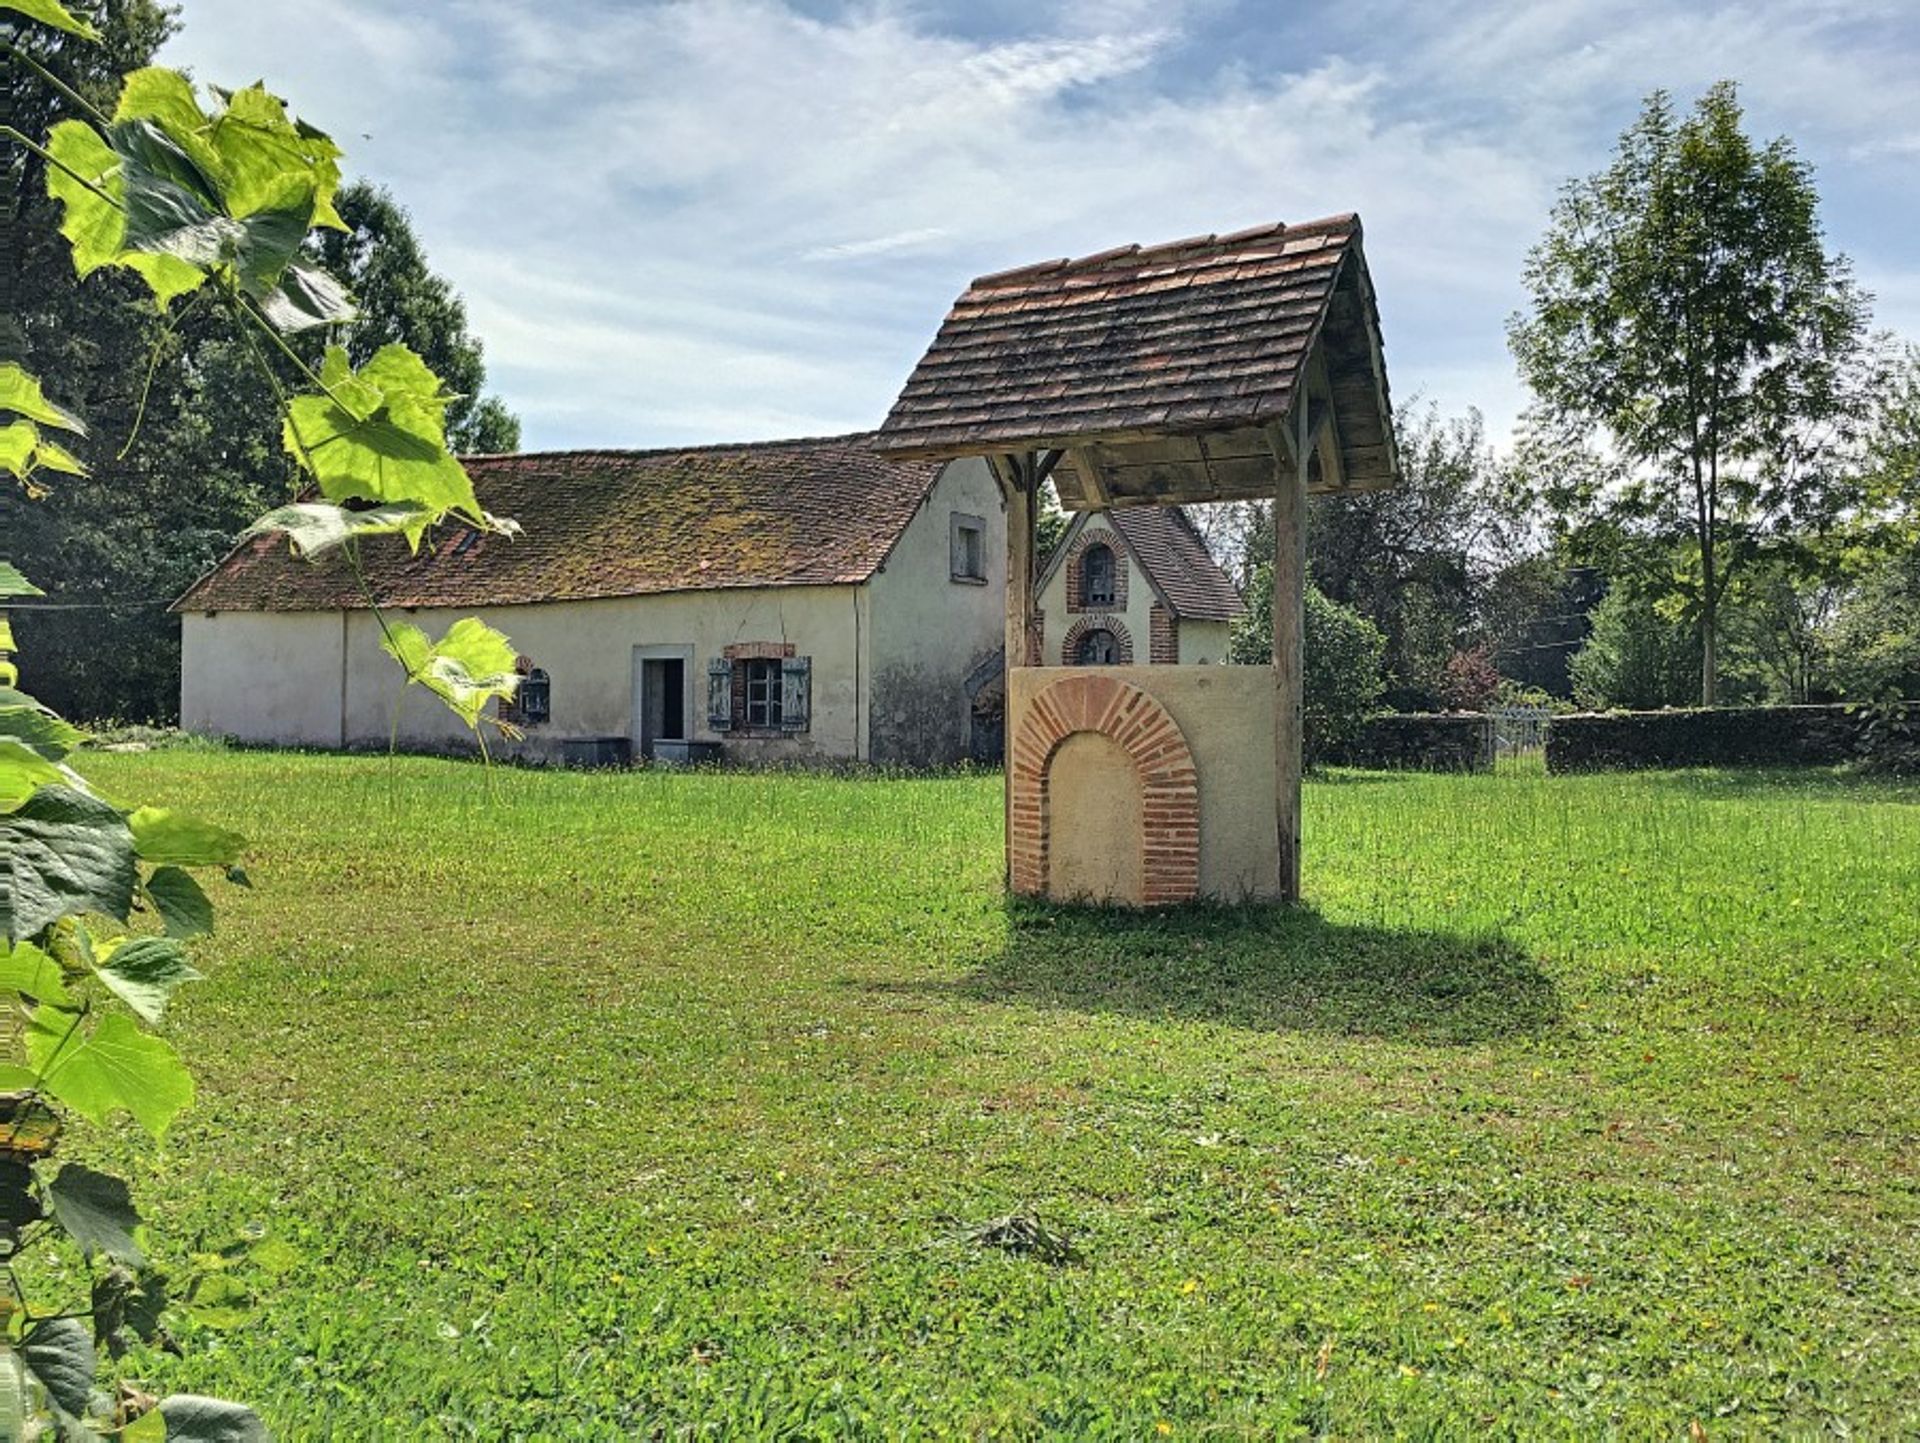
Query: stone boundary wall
x,y
1422,742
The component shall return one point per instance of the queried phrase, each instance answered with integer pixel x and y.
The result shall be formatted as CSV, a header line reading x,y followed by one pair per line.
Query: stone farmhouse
x,y
794,601
1136,585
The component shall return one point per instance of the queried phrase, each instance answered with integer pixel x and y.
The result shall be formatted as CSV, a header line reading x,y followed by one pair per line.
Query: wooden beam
x,y
1292,455
1093,485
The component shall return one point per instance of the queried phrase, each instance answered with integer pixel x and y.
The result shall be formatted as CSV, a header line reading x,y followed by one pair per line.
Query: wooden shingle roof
x,y
616,523
1211,337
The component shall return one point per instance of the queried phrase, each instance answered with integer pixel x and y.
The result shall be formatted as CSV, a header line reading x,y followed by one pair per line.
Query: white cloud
x,y
726,219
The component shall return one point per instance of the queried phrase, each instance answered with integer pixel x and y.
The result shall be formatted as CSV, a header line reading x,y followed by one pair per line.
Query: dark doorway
x,y
663,701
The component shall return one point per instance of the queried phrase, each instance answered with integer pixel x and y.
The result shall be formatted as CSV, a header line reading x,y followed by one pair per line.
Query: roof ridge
x,y
795,442
1130,257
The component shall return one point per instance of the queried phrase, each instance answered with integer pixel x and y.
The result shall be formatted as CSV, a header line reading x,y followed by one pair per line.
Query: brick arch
x,y
1076,580
1077,633
1169,783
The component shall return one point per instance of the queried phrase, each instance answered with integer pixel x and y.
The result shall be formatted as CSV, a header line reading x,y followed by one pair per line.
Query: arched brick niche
x,y
1164,771
1077,633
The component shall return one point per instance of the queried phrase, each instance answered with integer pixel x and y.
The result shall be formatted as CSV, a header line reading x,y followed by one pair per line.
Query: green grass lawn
x,y
605,1106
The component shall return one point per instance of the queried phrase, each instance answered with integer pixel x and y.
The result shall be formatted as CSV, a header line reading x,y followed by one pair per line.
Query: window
x,y
536,698
1096,576
762,680
759,695
969,546
1098,648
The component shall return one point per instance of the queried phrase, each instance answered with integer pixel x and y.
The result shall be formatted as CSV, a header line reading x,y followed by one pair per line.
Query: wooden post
x,y
1017,476
1289,640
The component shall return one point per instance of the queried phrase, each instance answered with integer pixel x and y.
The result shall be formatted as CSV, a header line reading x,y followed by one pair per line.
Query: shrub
x,y
1469,681
1344,653
1636,657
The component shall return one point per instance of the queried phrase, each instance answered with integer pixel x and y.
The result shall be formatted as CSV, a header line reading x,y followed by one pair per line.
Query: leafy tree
x,y
1875,640
1470,681
400,299
1686,310
1637,657
1343,678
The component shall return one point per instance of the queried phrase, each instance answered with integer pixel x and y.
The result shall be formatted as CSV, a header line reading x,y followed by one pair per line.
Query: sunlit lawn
x,y
614,1105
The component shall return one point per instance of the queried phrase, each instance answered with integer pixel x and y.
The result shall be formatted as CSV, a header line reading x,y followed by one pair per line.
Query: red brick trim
x,y
1076,582
758,651
1169,783
1163,637
1077,633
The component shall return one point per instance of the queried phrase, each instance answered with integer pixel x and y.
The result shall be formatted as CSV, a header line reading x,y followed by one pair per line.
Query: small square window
x,y
969,536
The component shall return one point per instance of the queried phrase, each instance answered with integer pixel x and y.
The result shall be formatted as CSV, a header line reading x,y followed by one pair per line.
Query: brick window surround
x,y
1077,633
1163,636
1076,578
1168,781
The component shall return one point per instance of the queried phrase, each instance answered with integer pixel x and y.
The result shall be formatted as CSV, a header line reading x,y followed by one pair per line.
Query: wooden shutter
x,y
720,695
796,689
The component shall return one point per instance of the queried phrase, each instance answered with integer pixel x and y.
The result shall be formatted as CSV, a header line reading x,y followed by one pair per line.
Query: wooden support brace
x,y
1292,453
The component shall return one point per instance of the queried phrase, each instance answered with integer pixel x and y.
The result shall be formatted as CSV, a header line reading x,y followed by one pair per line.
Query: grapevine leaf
x,y
193,1419
20,392
23,771
24,968
63,852
59,1352
115,1066
307,297
149,1427
316,527
182,904
18,440
25,720
144,971
48,12
379,434
98,1213
12,583
127,1307
88,181
264,150
466,668
162,835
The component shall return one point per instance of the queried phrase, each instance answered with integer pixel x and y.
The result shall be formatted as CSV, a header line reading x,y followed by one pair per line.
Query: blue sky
x,y
740,219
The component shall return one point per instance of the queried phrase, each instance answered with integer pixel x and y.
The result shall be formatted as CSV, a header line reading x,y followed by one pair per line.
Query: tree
x,y
400,299
1686,310
1342,679
1636,657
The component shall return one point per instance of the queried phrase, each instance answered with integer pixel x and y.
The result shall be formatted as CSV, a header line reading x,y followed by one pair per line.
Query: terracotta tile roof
x,y
617,523
1201,335
1164,542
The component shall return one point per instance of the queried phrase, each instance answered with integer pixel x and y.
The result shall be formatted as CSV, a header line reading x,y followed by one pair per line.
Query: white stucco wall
x,y
1202,642
1135,616
279,676
928,630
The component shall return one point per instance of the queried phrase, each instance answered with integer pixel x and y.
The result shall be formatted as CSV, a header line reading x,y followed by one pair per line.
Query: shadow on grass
x,y
1265,968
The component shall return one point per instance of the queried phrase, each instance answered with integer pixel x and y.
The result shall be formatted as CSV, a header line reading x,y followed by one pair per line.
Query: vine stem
x,y
53,160
153,365
57,83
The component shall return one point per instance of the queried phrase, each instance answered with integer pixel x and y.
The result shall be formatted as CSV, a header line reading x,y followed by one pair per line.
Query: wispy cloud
x,y
735,218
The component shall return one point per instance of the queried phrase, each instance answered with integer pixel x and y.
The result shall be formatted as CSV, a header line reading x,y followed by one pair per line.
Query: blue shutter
x,y
796,687
720,695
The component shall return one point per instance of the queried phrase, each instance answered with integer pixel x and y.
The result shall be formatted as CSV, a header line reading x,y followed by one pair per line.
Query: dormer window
x,y
1096,575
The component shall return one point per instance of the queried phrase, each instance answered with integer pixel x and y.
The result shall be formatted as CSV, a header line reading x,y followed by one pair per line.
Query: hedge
x,y
1759,736
1423,742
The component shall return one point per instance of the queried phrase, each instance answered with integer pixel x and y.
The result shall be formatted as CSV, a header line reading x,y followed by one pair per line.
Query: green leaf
x,y
182,904
115,1067
59,1352
89,182
220,1300
20,392
468,667
127,1308
63,852
18,441
48,12
316,527
144,971
263,149
24,968
26,721
12,583
98,1213
306,297
380,435
192,1419
161,835
23,771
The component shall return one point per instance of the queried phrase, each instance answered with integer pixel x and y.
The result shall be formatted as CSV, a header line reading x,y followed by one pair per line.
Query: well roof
x,y
616,523
1201,337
